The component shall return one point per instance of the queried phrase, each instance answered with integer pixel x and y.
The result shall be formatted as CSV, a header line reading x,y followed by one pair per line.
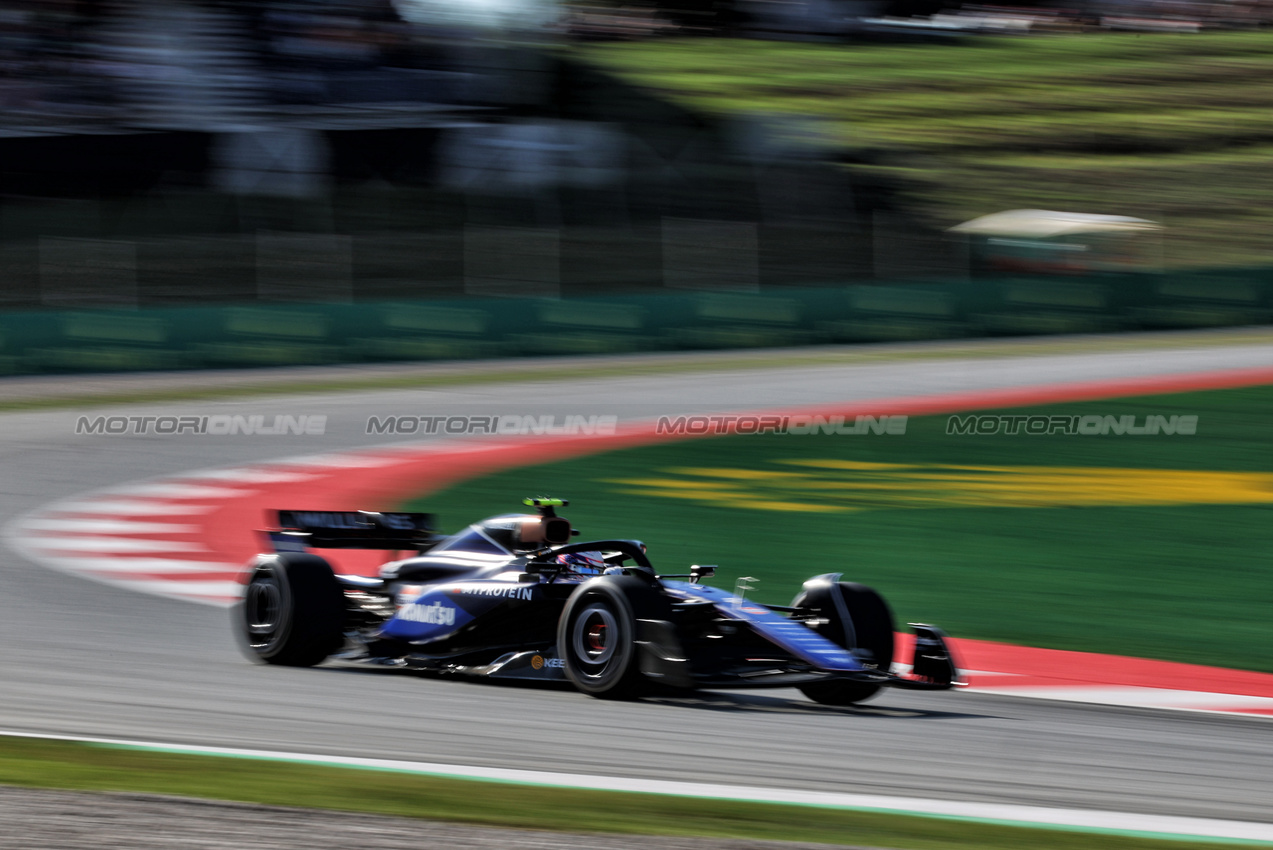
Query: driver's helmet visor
x,y
584,563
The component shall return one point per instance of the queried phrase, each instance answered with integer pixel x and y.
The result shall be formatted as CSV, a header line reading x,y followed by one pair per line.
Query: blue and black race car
x,y
511,597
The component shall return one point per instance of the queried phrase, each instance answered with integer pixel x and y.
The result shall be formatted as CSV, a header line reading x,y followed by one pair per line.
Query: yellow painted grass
x,y
839,485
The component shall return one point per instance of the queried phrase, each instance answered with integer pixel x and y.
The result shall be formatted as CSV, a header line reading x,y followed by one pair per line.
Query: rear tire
x,y
870,628
293,612
596,641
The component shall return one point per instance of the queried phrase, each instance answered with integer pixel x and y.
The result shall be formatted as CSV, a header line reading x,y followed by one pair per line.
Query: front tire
x,y
293,612
869,628
596,641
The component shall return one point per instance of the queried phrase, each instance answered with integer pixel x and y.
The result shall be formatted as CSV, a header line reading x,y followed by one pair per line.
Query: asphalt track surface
x,y
87,659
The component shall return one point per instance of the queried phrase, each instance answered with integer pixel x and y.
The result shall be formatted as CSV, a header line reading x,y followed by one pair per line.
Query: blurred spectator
x,y
195,64
179,63
41,63
607,23
333,34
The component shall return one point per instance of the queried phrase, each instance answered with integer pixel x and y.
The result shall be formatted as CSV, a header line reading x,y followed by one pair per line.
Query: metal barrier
x,y
265,334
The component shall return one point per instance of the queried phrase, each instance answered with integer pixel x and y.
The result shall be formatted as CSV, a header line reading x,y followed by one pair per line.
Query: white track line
x,y
247,476
174,488
1159,826
222,593
123,507
106,545
173,567
63,525
1135,696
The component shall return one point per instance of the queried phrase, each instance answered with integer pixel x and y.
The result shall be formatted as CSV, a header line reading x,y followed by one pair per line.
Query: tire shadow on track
x,y
719,701
762,703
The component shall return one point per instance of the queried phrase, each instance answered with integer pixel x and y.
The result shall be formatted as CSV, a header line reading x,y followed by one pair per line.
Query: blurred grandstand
x,y
160,152
166,151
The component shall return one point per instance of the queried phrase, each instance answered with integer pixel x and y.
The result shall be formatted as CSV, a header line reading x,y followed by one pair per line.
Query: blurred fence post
x,y
284,163
88,273
19,274
512,261
903,251
722,256
304,267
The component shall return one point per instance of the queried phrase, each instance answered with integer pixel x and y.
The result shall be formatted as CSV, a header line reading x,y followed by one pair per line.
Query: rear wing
x,y
301,530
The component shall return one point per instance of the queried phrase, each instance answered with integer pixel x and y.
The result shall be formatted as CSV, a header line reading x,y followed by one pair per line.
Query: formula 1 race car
x,y
511,597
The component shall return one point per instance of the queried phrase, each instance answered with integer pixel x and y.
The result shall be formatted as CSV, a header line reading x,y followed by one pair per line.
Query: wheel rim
x,y
595,635
263,608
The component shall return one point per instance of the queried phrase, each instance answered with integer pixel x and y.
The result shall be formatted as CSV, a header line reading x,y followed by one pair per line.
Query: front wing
x,y
932,667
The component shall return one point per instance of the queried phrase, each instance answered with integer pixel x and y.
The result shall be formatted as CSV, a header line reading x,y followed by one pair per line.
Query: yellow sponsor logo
x,y
537,662
822,486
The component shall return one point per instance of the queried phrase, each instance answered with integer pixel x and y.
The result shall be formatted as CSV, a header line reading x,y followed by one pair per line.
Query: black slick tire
x,y
869,628
596,640
293,611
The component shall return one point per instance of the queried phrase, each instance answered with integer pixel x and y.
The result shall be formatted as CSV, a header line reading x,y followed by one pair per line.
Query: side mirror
x,y
701,571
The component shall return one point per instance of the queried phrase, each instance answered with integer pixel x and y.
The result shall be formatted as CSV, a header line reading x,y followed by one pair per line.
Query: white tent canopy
x,y
484,14
1046,224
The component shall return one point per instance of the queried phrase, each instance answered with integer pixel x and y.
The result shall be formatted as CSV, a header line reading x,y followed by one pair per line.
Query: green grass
x,y
1169,127
75,766
1176,581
